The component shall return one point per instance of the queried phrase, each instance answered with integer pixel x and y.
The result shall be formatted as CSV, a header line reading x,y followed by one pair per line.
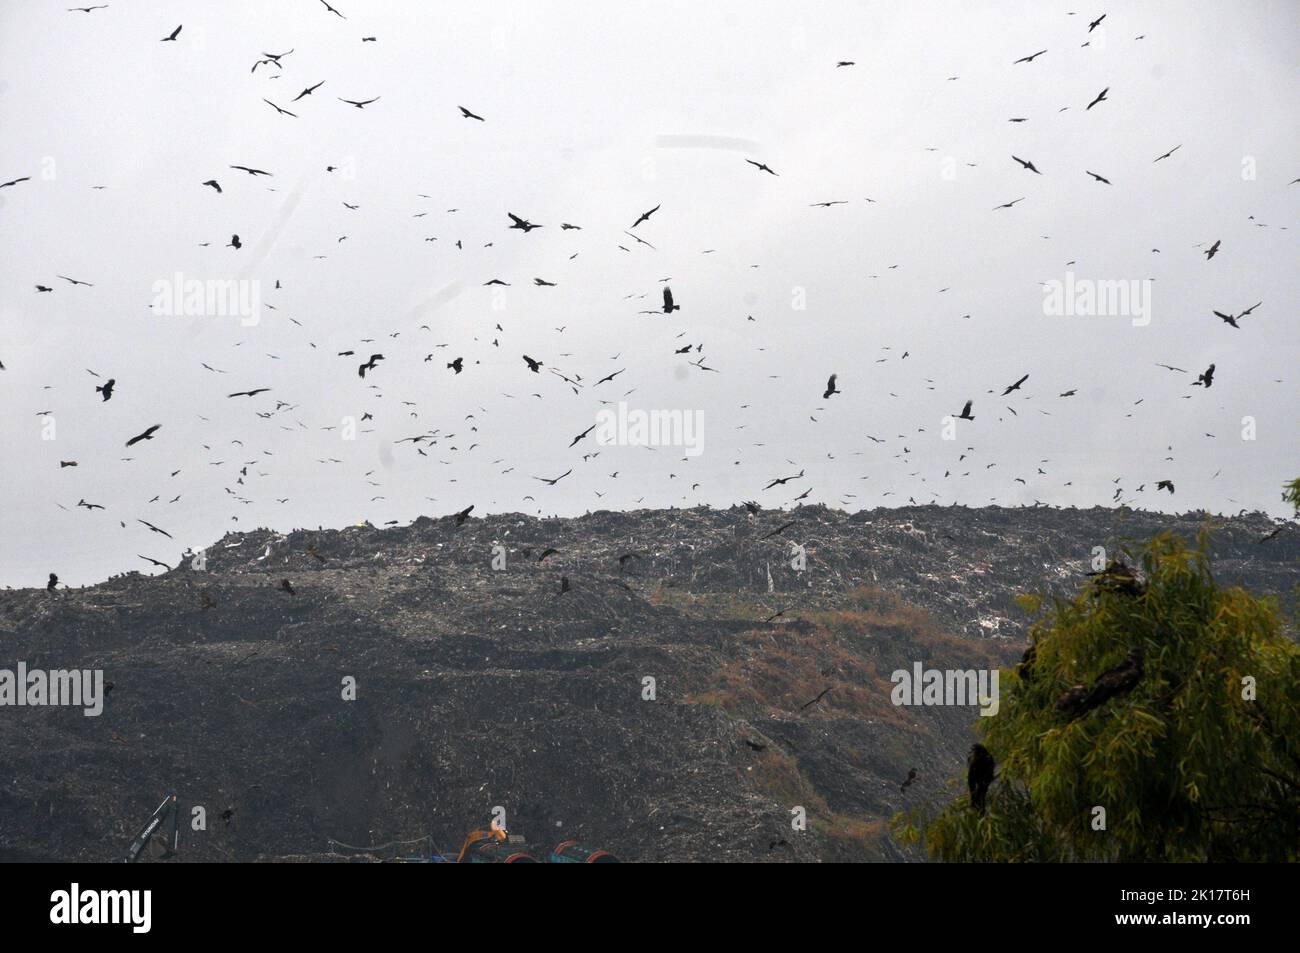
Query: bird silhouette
x,y
1117,680
1232,319
574,441
1118,577
645,216
669,307
807,705
154,529
147,435
1015,386
552,482
521,223
282,112
980,768
782,481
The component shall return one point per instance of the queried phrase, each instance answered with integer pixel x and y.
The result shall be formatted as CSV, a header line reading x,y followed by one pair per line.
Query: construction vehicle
x,y
167,810
491,846
572,852
495,846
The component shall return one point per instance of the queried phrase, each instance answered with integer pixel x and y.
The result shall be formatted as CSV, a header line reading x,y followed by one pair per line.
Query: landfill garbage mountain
x,y
668,685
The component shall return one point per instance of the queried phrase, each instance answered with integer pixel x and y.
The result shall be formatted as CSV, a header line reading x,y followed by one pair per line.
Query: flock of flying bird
x,y
275,65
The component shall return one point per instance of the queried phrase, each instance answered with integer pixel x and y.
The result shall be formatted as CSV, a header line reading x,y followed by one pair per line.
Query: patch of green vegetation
x,y
1197,759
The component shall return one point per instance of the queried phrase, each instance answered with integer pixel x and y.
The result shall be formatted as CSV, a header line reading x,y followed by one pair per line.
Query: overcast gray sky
x,y
595,113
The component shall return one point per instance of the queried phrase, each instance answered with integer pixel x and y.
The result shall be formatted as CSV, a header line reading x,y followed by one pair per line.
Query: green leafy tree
x,y
1291,494
1161,698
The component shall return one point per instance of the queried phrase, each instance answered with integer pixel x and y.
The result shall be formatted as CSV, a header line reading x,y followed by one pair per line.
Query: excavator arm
x,y
167,810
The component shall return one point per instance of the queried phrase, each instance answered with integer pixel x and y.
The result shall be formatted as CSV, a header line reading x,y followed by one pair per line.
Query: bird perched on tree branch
x,y
1026,667
980,768
1117,680
1119,577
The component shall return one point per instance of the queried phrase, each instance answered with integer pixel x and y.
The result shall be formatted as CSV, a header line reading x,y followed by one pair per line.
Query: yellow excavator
x,y
495,846
491,846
